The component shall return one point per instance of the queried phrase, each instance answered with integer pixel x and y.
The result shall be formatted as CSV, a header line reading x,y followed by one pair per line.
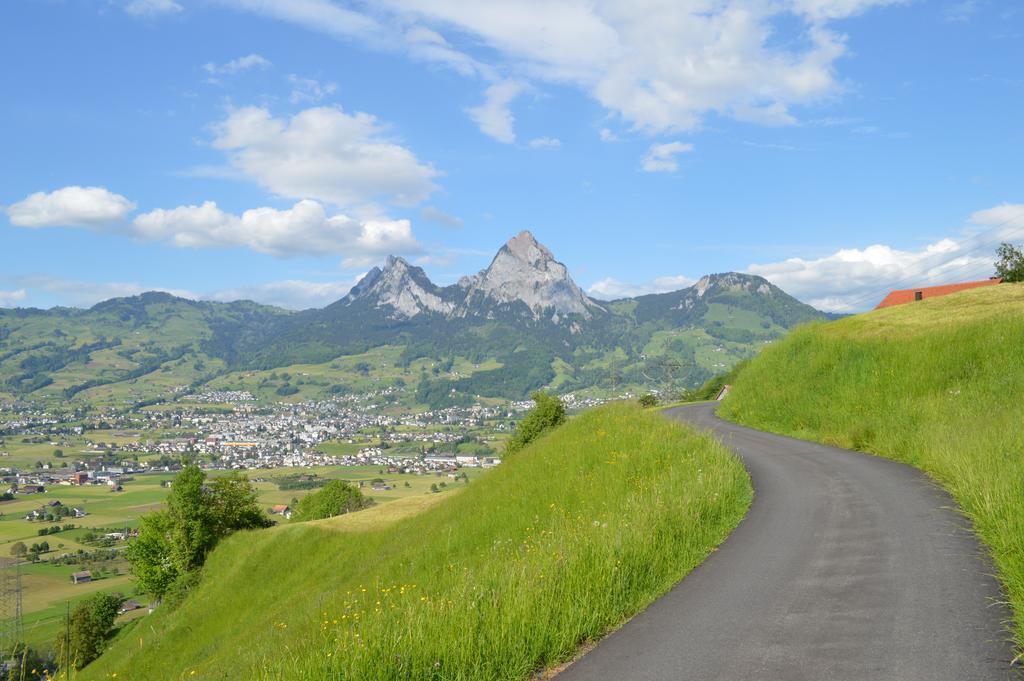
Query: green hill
x,y
154,347
124,350
936,384
559,545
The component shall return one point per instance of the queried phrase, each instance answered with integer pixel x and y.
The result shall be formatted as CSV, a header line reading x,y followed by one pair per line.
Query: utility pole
x,y
10,609
669,366
67,640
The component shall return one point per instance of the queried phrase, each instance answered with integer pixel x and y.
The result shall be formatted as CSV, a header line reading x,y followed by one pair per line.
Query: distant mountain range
x,y
519,325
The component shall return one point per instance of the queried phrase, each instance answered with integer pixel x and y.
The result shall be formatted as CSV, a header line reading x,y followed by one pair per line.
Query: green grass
x,y
936,384
48,587
381,368
557,546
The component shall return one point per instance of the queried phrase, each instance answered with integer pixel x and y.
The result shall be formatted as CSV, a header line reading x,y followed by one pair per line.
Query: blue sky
x,y
276,150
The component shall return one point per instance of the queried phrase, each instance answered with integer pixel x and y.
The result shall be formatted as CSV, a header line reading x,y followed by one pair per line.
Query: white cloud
x,y
661,66
395,34
323,153
613,289
853,279
79,293
12,298
152,8
959,12
607,135
430,46
309,90
661,158
250,61
72,206
1007,214
303,229
294,294
494,116
323,16
439,217
545,143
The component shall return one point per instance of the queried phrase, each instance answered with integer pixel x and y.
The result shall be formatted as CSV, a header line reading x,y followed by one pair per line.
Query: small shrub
x,y
648,401
547,413
336,498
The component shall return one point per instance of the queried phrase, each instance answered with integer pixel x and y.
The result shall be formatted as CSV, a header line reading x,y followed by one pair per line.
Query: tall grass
x,y
936,384
560,544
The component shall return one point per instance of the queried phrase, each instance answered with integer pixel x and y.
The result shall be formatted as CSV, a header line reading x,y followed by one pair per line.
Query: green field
x,y
47,588
376,369
557,546
935,384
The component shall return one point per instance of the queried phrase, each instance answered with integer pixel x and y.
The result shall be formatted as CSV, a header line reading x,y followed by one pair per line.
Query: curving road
x,y
847,567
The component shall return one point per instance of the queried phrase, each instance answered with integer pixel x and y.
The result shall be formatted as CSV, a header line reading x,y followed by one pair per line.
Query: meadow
x,y
556,547
935,384
376,369
47,587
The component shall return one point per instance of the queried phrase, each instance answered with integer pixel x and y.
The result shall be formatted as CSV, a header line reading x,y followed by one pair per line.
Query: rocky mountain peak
x,y
525,270
403,287
732,281
526,248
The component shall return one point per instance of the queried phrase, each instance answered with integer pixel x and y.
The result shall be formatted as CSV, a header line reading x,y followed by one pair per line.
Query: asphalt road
x,y
847,567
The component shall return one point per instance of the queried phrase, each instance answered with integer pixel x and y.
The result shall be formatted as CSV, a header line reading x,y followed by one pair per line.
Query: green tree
x,y
648,400
235,506
174,543
193,526
19,549
548,412
151,555
335,498
1010,263
59,453
89,628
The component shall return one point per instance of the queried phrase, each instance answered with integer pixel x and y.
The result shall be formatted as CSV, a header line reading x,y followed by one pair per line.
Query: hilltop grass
x,y
935,384
49,587
559,545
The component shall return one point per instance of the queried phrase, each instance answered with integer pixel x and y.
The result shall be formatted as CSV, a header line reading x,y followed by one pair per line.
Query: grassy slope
x,y
555,547
935,384
49,586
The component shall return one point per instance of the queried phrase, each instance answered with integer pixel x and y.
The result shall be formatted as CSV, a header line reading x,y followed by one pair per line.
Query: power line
x,y
12,633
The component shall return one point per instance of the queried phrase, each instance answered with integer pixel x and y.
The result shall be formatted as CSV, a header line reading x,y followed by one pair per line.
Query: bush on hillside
x,y
648,400
547,413
89,628
175,542
336,498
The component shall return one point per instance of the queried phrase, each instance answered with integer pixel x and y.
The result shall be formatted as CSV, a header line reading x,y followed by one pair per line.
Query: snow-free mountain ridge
x,y
519,325
523,272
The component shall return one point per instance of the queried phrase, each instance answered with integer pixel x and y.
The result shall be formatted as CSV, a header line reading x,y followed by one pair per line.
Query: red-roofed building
x,y
911,294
